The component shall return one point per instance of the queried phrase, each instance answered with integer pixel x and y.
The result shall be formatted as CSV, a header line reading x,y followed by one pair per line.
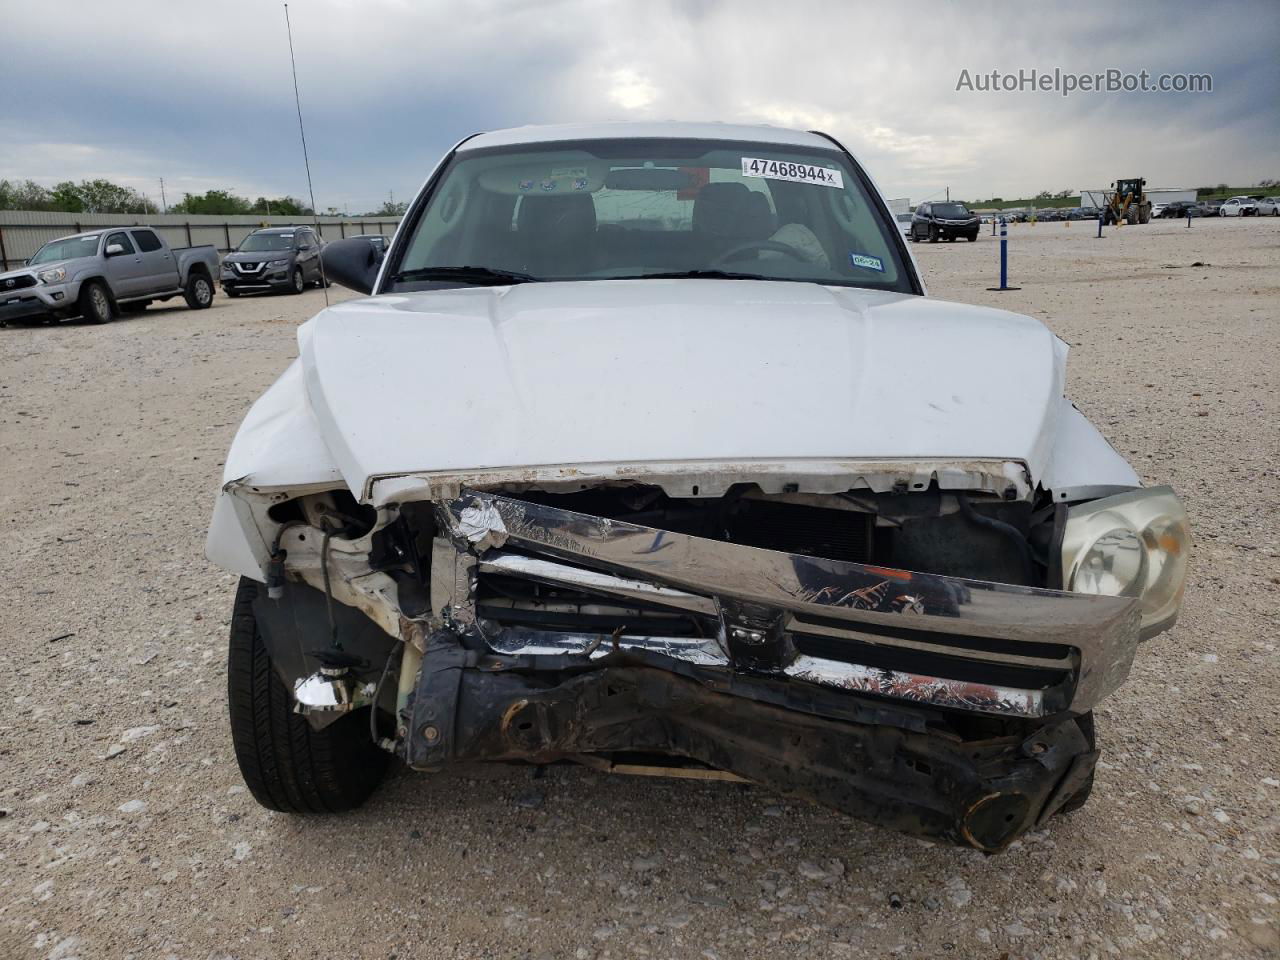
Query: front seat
x,y
724,216
557,234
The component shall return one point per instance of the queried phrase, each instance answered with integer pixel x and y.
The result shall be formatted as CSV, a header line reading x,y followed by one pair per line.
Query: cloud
x,y
207,100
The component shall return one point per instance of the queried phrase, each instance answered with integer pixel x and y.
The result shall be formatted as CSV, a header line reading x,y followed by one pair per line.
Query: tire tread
x,y
287,765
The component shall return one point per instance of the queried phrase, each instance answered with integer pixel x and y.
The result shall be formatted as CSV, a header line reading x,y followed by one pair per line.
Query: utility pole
x,y
163,203
948,194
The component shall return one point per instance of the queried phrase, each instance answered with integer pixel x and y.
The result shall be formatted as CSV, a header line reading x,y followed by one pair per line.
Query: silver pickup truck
x,y
95,275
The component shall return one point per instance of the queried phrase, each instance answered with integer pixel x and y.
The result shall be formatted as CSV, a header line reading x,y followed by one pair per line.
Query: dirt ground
x,y
125,830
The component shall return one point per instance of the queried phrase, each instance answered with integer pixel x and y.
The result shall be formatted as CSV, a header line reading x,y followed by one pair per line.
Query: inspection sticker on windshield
x,y
785,170
866,261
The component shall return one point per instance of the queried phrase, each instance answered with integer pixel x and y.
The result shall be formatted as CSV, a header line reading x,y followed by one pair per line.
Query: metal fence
x,y
23,232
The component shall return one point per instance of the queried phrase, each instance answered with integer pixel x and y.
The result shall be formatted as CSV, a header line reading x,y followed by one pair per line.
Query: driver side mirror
x,y
113,250
352,263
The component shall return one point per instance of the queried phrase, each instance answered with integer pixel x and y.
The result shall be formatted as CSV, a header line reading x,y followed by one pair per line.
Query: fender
x,y
1082,464
277,454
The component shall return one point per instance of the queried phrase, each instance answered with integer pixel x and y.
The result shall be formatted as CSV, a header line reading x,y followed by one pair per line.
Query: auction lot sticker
x,y
786,170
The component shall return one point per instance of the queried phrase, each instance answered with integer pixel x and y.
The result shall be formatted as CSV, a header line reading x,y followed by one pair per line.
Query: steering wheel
x,y
774,245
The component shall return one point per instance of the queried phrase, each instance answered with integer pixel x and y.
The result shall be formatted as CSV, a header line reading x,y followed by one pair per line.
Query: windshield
x,y
950,211
255,242
68,248
626,209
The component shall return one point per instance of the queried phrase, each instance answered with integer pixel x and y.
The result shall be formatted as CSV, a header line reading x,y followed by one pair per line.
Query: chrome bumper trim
x,y
756,594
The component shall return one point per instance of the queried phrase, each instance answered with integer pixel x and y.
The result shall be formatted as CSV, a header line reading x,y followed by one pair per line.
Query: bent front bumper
x,y
946,642
937,706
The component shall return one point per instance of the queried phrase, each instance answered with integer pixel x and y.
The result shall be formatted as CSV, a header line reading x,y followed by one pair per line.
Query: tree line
x,y
103,196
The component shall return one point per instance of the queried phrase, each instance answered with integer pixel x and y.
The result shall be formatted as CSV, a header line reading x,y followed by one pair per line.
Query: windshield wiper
x,y
694,275
479,276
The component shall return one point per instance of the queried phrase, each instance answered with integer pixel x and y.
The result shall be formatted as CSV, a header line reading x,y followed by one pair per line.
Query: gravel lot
x,y
125,830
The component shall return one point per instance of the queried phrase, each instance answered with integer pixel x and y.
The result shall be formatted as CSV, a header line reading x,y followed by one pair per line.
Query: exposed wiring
x,y
397,654
328,589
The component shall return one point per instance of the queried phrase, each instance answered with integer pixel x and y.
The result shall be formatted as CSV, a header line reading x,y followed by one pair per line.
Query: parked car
x,y
1269,207
1158,209
275,258
943,221
904,222
725,488
376,240
1239,207
95,275
1181,209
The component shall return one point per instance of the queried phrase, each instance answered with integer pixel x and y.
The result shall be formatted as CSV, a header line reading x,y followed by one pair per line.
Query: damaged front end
x,y
618,625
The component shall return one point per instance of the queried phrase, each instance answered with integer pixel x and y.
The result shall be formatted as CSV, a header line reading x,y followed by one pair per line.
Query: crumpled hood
x,y
663,371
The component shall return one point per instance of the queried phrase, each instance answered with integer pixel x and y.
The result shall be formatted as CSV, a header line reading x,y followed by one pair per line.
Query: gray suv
x,y
277,258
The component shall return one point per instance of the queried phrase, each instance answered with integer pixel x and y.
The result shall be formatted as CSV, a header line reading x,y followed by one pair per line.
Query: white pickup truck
x,y
95,275
648,441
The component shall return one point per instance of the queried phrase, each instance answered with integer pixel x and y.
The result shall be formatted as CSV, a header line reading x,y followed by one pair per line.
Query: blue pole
x,y
1099,226
1188,218
1004,255
1004,259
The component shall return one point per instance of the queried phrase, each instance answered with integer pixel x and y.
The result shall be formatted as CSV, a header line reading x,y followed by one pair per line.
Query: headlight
x,y
1131,545
226,268
56,275
277,264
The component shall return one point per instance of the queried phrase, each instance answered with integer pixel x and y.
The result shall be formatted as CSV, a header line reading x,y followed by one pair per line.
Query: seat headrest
x,y
722,209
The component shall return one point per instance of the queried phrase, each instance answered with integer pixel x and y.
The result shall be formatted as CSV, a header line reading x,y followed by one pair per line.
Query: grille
x,y
17,283
515,602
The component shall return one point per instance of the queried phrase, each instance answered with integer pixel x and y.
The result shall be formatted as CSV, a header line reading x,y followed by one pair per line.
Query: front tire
x,y
287,765
199,292
296,282
972,237
933,233
95,303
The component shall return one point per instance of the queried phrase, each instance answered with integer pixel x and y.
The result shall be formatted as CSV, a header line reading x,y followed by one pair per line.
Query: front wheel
x,y
286,764
972,237
296,282
95,303
933,233
199,292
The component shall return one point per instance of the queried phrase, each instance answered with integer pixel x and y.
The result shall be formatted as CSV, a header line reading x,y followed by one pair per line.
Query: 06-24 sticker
x,y
788,170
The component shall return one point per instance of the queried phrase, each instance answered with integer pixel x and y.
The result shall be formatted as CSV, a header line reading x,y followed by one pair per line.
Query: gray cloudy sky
x,y
200,93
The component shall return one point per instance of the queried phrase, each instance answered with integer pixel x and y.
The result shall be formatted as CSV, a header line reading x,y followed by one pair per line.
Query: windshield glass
x,y
615,209
68,248
950,211
255,242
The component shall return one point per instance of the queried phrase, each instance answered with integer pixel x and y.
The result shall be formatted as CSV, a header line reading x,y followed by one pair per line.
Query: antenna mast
x,y
293,64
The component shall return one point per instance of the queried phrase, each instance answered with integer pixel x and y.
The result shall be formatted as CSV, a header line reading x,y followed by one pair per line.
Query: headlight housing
x,y
277,264
1134,544
56,275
